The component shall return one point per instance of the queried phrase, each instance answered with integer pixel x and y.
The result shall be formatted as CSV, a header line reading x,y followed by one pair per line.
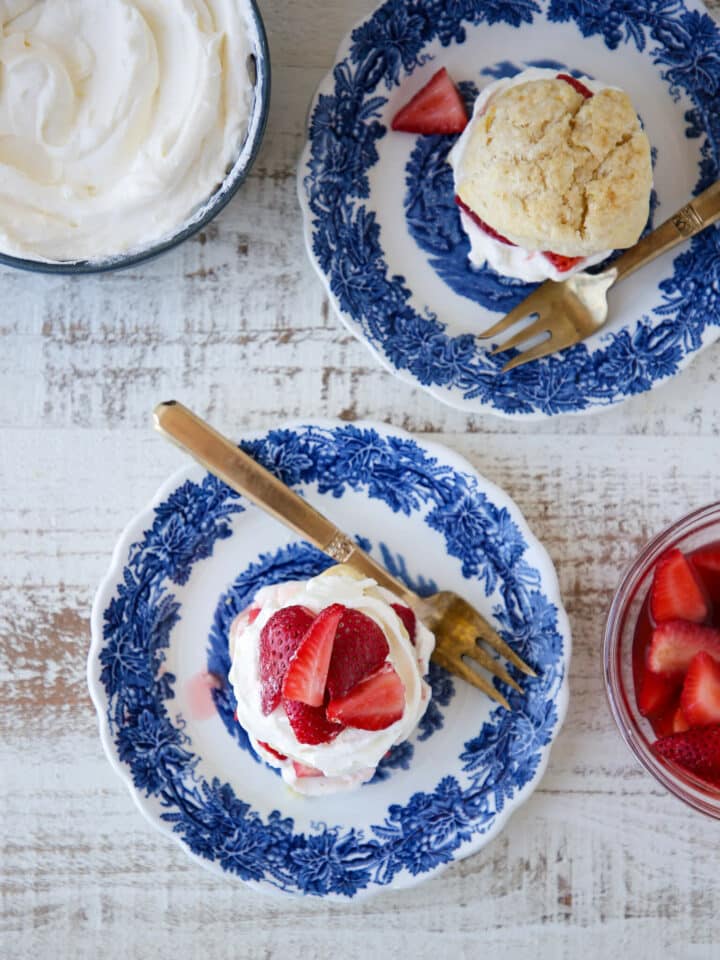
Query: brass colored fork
x,y
571,310
457,626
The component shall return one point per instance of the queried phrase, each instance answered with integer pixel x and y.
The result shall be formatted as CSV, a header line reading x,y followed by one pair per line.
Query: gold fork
x,y
457,626
573,309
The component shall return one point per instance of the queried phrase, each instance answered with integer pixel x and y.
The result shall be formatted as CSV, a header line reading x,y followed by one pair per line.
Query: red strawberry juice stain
x,y
705,561
198,691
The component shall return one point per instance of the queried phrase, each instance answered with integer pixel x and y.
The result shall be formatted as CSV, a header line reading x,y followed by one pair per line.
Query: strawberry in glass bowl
x,y
662,658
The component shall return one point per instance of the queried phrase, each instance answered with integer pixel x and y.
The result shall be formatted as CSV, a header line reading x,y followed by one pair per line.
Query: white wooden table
x,y
600,862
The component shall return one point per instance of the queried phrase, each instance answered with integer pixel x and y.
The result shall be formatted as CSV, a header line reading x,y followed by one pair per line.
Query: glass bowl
x,y
259,70
692,531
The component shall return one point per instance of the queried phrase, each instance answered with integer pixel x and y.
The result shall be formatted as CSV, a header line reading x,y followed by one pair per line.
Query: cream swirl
x,y
118,118
351,758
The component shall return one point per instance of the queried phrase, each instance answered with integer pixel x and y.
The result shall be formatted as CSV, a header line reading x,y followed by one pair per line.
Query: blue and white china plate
x,y
384,233
189,562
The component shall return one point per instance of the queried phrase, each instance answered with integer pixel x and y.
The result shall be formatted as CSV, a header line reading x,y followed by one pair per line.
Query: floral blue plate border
x,y
196,555
384,234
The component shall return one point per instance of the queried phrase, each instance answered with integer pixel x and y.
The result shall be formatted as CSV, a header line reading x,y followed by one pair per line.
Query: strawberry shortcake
x,y
552,173
328,675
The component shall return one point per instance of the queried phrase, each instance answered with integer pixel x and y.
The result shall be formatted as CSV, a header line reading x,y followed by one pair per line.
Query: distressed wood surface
x,y
600,862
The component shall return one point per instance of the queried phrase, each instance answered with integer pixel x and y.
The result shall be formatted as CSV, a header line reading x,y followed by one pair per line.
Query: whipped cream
x,y
351,758
118,119
528,265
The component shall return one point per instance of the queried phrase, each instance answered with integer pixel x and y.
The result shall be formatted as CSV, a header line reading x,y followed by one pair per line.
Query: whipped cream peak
x,y
118,119
353,755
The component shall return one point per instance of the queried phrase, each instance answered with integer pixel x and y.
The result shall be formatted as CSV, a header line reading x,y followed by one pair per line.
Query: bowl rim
x,y
220,197
692,791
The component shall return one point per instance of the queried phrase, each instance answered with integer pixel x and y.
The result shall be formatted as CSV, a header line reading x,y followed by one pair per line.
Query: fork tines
x,y
460,631
560,333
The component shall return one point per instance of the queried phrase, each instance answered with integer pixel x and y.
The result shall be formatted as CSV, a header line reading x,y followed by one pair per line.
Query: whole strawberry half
x,y
676,592
697,750
310,725
360,649
279,639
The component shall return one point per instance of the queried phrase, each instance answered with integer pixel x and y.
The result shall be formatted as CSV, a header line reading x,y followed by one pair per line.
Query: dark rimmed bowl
x,y
695,530
259,67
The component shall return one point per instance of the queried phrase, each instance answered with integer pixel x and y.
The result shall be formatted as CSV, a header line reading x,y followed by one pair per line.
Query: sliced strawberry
x,y
252,614
700,698
560,262
408,618
680,721
437,108
706,561
479,222
271,750
707,558
676,592
576,84
360,649
279,639
676,642
303,770
696,750
655,693
374,704
308,670
310,725
664,725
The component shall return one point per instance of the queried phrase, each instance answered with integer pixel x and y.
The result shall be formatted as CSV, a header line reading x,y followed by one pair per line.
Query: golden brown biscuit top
x,y
552,170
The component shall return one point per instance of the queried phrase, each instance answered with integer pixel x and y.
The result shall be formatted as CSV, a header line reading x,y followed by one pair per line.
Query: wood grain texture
x,y
599,863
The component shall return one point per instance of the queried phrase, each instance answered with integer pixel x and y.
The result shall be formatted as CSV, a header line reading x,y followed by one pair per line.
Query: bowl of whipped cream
x,y
125,125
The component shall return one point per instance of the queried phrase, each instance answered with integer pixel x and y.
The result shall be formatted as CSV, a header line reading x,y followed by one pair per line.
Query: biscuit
x,y
552,170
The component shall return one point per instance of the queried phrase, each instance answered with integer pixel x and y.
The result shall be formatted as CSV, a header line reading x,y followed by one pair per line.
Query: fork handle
x,y
693,218
240,472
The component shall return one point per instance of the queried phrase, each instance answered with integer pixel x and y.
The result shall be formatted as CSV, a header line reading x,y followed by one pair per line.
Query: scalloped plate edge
x,y
451,398
106,589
